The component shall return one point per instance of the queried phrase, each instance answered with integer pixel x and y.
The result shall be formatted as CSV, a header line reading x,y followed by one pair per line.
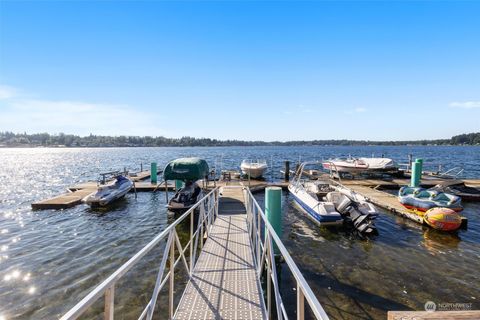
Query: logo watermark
x,y
431,306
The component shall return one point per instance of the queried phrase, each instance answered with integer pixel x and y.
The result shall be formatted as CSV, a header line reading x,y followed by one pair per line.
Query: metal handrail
x,y
263,252
265,256
107,287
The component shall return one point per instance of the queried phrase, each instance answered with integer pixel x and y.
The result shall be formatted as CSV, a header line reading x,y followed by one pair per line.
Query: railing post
x,y
269,283
172,279
217,197
109,303
192,215
161,269
259,235
300,303
200,235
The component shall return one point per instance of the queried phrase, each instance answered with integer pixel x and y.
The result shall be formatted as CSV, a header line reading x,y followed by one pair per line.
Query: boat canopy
x,y
186,169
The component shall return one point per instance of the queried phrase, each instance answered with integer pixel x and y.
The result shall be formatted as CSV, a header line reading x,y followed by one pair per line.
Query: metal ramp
x,y
224,284
236,245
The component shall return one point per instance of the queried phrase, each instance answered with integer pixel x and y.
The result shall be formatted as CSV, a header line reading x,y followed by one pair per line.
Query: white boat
x,y
108,193
328,204
359,165
254,169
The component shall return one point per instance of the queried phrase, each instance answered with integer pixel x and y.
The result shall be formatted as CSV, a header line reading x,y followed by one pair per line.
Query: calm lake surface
x,y
49,259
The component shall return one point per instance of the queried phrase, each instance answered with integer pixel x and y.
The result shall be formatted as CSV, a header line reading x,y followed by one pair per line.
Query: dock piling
x,y
273,208
416,173
287,170
153,172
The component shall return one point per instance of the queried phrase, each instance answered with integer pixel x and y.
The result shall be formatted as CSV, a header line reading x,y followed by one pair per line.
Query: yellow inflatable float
x,y
443,219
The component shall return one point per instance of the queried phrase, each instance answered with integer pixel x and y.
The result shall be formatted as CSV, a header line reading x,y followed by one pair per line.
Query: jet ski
x,y
185,198
108,193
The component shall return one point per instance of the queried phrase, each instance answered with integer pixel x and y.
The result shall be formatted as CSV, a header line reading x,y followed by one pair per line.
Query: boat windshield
x,y
308,171
258,161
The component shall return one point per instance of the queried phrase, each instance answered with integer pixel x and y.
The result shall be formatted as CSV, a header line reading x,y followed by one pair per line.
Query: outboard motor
x,y
363,223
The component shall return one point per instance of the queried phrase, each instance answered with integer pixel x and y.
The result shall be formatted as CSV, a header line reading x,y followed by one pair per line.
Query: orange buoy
x,y
443,219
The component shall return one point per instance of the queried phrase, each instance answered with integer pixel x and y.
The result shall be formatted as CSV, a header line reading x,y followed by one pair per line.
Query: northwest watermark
x,y
431,306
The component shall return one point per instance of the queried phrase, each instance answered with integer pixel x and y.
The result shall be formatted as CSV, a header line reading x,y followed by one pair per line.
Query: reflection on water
x,y
400,269
50,259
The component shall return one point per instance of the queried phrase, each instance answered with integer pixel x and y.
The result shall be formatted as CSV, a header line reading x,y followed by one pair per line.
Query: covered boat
x,y
360,165
443,219
459,189
420,199
108,193
327,204
188,170
254,169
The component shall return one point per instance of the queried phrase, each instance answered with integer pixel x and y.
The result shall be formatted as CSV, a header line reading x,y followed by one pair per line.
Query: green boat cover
x,y
186,169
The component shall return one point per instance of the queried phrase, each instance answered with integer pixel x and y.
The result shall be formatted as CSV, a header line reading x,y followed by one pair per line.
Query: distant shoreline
x,y
61,140
209,146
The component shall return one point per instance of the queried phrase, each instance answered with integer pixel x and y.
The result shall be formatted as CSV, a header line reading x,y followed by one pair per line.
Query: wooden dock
x,y
435,315
362,185
385,200
63,201
390,202
80,191
224,284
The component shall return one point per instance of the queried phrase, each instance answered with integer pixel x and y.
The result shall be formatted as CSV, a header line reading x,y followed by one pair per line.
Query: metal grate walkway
x,y
224,284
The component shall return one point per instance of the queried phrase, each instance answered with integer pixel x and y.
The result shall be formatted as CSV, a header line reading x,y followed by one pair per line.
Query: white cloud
x,y
7,92
298,109
304,109
465,104
35,115
356,110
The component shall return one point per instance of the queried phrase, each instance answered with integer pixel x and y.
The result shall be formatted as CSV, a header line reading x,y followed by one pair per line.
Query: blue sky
x,y
267,70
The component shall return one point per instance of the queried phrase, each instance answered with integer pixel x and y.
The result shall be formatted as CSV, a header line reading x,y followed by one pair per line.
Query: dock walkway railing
x,y
264,244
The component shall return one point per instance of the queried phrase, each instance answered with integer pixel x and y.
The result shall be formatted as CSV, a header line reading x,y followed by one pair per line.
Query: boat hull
x,y
253,172
97,199
324,220
361,165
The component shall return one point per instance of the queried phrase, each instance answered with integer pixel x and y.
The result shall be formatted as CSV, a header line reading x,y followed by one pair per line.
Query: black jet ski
x,y
185,198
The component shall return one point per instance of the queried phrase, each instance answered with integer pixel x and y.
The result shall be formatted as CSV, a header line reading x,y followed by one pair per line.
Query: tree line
x,y
10,139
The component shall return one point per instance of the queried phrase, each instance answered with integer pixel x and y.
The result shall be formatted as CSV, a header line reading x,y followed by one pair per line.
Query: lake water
x,y
50,259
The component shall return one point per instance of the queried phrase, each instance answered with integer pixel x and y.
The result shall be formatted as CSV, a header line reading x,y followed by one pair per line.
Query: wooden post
x,y
287,170
109,303
300,303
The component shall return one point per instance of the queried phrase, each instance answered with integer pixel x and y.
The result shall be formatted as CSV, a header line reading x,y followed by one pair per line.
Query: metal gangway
x,y
234,275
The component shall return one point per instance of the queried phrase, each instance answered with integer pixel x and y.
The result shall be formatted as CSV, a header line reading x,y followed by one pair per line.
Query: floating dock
x,y
390,202
80,191
434,315
224,284
361,185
